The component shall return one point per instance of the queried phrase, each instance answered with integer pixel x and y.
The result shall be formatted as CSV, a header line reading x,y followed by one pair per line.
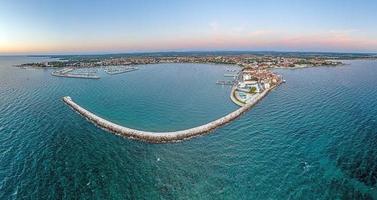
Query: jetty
x,y
161,137
230,75
231,70
224,82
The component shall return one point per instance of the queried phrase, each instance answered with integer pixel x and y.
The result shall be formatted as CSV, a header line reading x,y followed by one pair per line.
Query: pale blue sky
x,y
42,26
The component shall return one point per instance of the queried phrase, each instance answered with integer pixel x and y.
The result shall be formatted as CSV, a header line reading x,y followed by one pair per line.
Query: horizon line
x,y
178,51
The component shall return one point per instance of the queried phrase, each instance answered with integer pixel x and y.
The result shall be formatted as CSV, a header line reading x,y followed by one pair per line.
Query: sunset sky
x,y
110,26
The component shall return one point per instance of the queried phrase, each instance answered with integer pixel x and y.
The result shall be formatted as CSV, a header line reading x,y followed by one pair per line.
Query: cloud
x,y
214,26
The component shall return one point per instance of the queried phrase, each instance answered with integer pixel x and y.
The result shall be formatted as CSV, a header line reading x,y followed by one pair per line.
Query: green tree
x,y
253,90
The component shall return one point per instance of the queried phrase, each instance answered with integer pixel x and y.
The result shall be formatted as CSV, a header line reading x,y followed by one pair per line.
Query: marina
x,y
69,73
91,73
113,70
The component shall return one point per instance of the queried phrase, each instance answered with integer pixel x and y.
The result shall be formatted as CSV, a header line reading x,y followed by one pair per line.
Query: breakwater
x,y
161,137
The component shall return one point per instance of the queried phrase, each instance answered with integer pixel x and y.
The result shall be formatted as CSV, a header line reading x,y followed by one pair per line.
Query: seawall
x,y
160,137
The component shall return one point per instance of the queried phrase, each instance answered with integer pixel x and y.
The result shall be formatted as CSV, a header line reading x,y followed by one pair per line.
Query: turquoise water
x,y
312,138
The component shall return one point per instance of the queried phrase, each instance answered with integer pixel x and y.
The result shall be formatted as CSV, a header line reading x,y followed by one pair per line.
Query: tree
x,y
253,90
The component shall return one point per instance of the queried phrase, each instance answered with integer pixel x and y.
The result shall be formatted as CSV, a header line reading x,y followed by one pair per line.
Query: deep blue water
x,y
311,138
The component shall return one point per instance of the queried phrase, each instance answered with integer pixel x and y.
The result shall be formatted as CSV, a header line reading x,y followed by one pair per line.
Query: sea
x,y
313,137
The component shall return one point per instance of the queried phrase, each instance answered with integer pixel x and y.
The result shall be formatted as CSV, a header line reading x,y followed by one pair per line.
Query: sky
x,y
121,26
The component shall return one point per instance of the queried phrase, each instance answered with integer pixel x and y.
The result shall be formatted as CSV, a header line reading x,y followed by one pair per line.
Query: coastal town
x,y
254,77
247,61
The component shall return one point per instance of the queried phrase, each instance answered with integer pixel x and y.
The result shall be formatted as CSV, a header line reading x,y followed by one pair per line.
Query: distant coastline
x,y
244,59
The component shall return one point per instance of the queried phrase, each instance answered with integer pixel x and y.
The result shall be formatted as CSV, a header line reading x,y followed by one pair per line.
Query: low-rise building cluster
x,y
246,61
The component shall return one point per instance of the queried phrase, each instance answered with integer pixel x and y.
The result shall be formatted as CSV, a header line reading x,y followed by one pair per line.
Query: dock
x,y
224,82
230,75
231,70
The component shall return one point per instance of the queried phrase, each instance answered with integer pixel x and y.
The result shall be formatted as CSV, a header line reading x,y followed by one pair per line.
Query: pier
x,y
224,82
161,137
230,75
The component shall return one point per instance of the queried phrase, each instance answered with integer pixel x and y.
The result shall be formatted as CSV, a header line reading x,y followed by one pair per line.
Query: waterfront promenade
x,y
161,137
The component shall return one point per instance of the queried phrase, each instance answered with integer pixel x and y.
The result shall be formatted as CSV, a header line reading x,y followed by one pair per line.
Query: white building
x,y
246,77
266,86
247,85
